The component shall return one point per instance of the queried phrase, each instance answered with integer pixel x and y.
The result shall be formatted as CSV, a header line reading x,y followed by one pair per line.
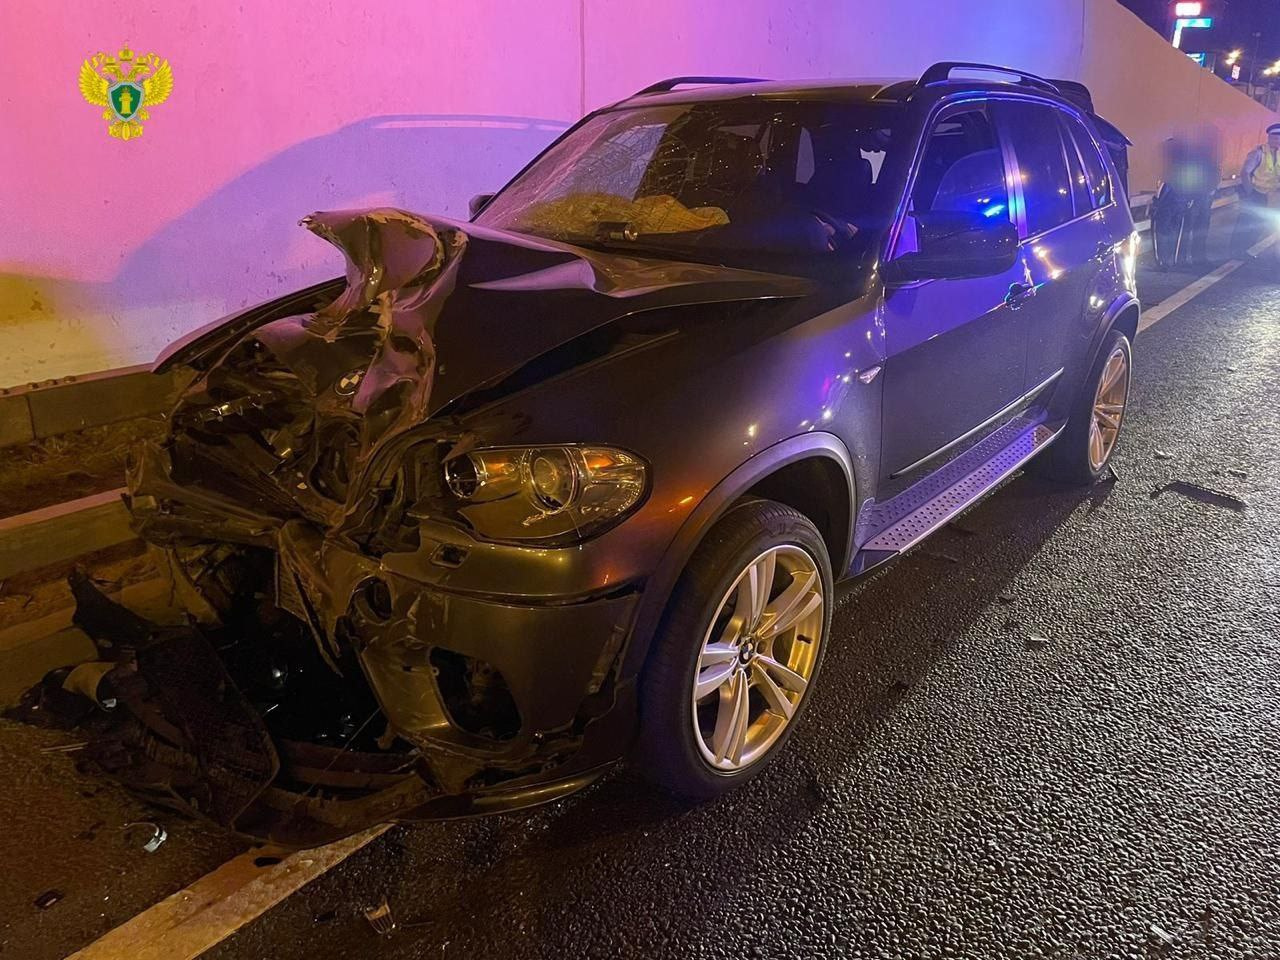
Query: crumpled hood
x,y
500,299
294,401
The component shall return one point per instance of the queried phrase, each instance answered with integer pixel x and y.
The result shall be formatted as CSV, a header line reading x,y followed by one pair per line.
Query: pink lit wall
x,y
111,249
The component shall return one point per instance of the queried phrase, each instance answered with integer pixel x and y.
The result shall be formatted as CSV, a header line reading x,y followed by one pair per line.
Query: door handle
x,y
1018,294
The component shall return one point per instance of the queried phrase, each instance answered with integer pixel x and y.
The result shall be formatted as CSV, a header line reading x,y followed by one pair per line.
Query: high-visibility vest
x,y
1266,177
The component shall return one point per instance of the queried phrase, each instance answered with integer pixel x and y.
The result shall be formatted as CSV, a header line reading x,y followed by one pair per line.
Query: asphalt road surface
x,y
1051,731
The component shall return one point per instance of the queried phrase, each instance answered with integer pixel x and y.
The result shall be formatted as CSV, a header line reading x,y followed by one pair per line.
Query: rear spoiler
x,y
1113,139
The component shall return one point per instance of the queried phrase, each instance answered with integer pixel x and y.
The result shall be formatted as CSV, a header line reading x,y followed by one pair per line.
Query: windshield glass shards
x,y
722,181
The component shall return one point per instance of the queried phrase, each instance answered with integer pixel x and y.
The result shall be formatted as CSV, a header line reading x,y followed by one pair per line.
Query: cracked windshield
x,y
710,181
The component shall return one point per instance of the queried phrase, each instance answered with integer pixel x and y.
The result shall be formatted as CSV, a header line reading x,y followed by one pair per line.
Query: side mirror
x,y
956,246
478,203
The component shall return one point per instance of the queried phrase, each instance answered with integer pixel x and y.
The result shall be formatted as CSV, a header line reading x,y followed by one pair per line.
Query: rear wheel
x,y
1081,454
738,652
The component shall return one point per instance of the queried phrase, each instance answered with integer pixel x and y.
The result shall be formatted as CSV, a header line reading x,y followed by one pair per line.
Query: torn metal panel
x,y
331,681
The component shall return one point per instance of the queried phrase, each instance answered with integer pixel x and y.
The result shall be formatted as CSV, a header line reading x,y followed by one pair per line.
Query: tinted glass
x,y
1033,131
962,170
1080,191
719,181
1094,168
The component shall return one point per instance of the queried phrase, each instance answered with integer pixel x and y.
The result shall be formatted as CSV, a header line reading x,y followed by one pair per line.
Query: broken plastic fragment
x,y
381,918
151,834
86,680
1194,491
1163,938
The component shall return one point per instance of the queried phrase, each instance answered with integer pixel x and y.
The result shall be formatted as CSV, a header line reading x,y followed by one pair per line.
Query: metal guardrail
x,y
48,408
64,531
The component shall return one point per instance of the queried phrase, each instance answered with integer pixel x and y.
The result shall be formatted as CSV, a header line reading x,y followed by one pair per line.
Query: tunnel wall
x,y
111,248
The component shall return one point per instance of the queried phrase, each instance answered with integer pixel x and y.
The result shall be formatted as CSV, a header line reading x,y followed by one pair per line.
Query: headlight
x,y
544,493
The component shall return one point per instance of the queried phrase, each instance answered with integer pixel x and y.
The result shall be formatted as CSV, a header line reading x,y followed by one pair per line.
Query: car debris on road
x,y
1193,491
151,835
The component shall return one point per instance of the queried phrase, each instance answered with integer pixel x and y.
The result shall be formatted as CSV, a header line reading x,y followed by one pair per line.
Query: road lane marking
x,y
1192,290
191,921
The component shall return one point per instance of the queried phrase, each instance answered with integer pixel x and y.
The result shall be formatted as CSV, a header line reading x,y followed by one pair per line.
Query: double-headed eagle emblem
x,y
125,85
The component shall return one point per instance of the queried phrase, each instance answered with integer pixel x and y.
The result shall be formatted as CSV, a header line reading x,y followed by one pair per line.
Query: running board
x,y
900,523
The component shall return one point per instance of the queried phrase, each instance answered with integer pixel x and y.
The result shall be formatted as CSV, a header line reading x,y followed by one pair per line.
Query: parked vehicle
x,y
576,479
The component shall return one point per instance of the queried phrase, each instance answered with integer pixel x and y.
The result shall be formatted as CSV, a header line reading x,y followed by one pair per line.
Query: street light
x,y
1232,57
1188,9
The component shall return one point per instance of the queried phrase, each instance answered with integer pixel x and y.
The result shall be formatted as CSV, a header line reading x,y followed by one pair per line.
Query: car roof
x,y
938,80
859,89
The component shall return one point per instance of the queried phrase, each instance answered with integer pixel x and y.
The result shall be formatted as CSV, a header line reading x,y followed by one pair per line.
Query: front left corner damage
x,y
320,681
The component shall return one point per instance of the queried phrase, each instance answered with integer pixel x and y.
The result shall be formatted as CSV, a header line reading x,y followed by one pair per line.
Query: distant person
x,y
1259,194
1184,202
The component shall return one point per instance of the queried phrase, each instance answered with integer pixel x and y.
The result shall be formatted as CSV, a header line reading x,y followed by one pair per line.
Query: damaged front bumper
x,y
333,673
478,704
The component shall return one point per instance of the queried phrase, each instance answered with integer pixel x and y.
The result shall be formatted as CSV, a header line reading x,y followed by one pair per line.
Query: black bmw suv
x,y
574,480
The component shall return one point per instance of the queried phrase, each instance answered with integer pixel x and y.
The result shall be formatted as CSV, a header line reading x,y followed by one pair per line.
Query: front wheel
x,y
1081,454
738,651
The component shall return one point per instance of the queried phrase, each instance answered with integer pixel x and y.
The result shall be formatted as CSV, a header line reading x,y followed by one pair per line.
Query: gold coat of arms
x,y
126,85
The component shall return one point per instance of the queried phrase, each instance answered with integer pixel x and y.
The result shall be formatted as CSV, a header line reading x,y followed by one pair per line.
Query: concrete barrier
x,y
122,247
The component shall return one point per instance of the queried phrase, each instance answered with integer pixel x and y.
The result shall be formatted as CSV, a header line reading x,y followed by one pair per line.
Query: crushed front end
x,y
335,670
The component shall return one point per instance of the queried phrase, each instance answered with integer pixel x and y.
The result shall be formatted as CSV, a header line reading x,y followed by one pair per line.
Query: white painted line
x,y
191,921
1192,290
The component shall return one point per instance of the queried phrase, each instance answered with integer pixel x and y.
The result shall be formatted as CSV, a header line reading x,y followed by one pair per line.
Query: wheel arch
x,y
781,472
1124,316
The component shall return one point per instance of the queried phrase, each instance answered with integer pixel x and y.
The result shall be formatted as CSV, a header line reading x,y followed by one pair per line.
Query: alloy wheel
x,y
1108,407
757,658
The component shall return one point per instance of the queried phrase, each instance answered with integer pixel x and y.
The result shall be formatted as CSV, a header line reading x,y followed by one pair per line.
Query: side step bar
x,y
899,524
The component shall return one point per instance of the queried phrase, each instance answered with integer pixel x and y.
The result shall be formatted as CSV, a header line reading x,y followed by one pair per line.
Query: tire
x,y
682,747
1073,456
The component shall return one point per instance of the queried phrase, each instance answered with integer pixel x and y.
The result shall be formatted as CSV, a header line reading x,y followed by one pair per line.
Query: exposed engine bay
x,y
359,640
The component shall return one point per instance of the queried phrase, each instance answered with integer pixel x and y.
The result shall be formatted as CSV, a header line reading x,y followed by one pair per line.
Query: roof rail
x,y
662,86
941,73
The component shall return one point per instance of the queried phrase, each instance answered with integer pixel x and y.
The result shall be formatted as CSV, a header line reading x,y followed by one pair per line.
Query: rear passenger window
x,y
1033,131
1095,170
1080,192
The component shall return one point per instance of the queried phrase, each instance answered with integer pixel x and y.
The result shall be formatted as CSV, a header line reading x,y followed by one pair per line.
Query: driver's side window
x,y
961,171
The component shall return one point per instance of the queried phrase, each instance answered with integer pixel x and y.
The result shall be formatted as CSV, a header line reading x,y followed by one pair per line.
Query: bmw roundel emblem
x,y
348,383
